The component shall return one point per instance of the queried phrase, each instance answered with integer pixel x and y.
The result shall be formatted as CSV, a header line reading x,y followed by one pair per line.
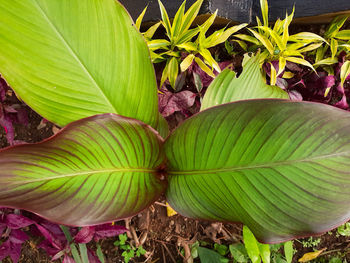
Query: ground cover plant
x,y
105,167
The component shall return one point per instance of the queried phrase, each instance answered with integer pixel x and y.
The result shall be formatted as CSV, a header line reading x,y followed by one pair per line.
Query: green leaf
x,y
334,47
300,61
188,36
209,60
264,41
344,71
279,167
226,87
265,11
288,251
238,252
157,44
306,37
309,47
326,61
70,59
251,245
335,25
165,19
187,62
189,17
209,256
93,171
277,39
204,67
177,22
248,38
220,37
173,70
343,35
140,18
150,32
265,252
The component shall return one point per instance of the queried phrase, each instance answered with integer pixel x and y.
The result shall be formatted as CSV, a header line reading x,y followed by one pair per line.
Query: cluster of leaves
x,y
180,45
58,241
107,166
129,251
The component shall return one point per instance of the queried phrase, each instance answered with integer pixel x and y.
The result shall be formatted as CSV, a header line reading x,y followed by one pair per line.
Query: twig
x,y
161,204
166,248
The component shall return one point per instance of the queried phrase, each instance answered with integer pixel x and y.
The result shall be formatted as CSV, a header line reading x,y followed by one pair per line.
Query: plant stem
x,y
99,254
83,253
73,248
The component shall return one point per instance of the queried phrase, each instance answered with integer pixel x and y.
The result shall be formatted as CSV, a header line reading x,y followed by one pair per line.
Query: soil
x,y
166,239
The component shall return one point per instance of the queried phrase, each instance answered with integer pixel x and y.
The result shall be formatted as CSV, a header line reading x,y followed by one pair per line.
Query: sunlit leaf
x,y
204,67
165,18
226,87
173,70
334,47
343,34
177,22
288,251
248,38
280,167
94,170
344,71
189,17
150,32
335,25
140,18
186,62
251,245
306,37
301,62
70,59
326,61
264,41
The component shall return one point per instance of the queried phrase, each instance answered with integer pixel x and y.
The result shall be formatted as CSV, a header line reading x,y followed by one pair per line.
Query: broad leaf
x,y
94,170
280,167
226,87
70,59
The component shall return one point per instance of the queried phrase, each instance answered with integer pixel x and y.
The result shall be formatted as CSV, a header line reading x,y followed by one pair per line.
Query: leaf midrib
x,y
264,165
85,173
75,56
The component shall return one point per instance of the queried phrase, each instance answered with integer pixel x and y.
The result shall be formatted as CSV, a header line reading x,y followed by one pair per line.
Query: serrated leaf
x,y
280,167
94,170
67,59
226,87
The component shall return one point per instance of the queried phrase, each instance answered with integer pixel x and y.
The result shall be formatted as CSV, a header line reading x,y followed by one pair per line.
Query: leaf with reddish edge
x,y
68,259
249,85
108,230
280,167
14,221
95,170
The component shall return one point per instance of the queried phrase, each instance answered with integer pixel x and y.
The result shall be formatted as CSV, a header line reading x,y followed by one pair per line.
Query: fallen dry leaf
x,y
311,255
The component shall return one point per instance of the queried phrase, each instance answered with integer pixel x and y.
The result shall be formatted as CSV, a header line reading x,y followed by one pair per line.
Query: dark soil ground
x,y
167,239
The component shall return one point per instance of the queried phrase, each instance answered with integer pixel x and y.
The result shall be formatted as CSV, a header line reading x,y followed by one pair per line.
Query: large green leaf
x,y
280,167
226,87
70,59
95,170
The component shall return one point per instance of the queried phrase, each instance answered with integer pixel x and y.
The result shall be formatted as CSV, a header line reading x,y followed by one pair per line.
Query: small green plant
x,y
311,242
129,251
277,45
180,43
339,41
344,230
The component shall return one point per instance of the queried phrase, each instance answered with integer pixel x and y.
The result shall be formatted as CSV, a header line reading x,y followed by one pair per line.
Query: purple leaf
x,y
85,234
56,243
67,259
108,230
14,221
49,249
18,237
2,228
4,249
170,102
92,257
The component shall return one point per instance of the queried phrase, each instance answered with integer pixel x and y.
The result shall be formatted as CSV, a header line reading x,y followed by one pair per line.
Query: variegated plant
x,y
280,167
